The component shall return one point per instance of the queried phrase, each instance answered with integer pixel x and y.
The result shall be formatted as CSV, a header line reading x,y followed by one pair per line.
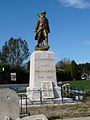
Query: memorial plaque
x,y
47,89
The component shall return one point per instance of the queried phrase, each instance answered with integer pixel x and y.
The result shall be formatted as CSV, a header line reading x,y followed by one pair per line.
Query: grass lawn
x,y
85,83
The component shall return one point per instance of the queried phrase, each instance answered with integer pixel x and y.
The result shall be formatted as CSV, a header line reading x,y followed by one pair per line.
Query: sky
x,y
69,22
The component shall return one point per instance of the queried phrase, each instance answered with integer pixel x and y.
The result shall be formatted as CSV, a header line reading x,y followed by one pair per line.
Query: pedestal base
x,y
42,75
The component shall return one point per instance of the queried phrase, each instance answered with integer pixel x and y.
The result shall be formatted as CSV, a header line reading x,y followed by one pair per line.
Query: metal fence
x,y
74,93
77,94
23,108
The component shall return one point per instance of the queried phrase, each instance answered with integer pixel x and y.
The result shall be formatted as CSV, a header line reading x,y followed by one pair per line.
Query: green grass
x,y
85,83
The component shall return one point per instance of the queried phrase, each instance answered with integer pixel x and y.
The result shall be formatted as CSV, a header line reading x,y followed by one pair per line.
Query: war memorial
x,y
42,65
42,83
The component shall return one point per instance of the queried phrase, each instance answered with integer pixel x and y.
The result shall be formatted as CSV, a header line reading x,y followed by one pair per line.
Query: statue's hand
x,y
35,30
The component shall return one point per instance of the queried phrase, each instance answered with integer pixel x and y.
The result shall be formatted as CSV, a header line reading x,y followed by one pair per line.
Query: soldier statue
x,y
42,29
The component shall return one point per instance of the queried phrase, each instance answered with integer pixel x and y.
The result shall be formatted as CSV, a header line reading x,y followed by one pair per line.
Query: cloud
x,y
82,4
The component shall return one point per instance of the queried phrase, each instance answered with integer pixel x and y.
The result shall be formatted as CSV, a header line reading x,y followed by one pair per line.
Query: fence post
x,y
83,93
62,91
79,93
26,103
21,103
41,96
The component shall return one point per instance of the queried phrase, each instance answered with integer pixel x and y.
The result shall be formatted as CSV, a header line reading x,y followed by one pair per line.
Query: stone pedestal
x,y
42,75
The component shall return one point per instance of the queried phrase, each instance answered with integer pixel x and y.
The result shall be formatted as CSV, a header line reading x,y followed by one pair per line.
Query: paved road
x,y
81,118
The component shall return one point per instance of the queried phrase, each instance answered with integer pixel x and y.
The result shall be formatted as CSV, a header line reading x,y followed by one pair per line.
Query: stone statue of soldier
x,y
42,29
